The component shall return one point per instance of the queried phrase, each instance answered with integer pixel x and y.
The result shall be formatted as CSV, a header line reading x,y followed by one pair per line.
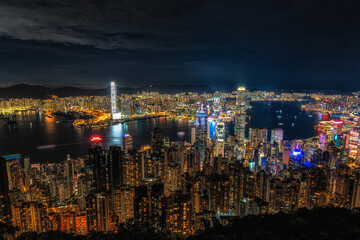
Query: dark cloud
x,y
175,24
260,43
129,24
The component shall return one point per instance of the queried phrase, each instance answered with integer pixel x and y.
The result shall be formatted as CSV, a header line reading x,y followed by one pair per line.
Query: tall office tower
x,y
131,168
172,178
296,159
113,97
322,141
220,147
211,129
27,163
277,135
127,142
157,140
193,135
354,143
217,105
220,140
257,136
337,125
114,168
220,130
201,132
240,116
286,153
96,166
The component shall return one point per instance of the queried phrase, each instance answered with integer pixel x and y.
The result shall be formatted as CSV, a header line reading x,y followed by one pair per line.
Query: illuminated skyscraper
x,y
157,140
201,132
277,135
115,115
257,135
220,139
216,105
354,143
296,158
286,153
193,135
127,142
322,141
240,116
337,126
96,166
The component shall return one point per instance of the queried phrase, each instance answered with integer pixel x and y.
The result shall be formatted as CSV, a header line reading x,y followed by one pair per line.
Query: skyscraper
x,y
296,159
220,139
127,142
96,166
337,125
322,141
257,135
193,135
115,115
157,140
201,133
240,116
277,135
354,143
217,105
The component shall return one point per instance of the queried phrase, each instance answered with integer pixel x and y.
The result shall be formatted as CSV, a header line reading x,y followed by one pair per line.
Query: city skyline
x,y
175,163
168,120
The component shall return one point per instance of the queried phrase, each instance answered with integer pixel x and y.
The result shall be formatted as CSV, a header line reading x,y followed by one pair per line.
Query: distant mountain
x,y
38,91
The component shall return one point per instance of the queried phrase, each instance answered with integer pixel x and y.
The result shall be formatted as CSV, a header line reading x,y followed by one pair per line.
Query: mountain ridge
x,y
39,91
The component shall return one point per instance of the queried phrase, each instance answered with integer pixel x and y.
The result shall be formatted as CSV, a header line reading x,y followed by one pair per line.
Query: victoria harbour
x,y
46,139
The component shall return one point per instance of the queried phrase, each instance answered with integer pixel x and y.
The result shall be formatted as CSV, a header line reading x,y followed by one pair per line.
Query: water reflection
x,y
75,141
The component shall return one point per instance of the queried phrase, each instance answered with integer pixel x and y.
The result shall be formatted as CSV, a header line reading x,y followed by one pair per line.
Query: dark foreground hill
x,y
318,224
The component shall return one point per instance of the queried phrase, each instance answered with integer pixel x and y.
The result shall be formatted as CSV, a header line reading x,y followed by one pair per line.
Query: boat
x,y
310,115
281,124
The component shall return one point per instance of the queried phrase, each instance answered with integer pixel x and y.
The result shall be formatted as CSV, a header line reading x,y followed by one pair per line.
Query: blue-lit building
x,y
296,159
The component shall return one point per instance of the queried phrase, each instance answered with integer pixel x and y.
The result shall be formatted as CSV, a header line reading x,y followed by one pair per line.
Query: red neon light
x,y
337,122
96,139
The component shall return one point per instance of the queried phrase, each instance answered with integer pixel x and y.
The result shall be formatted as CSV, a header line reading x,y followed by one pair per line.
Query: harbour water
x,y
45,139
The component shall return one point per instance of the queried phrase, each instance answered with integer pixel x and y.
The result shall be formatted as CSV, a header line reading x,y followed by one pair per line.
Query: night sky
x,y
273,44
